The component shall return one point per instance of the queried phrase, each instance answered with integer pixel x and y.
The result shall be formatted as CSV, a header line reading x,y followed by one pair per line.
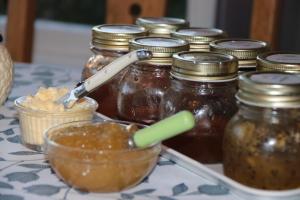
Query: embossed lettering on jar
x,y
262,141
246,50
108,43
143,85
205,84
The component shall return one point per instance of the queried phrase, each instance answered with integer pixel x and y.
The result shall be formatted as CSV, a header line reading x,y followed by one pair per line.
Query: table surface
x,y
25,174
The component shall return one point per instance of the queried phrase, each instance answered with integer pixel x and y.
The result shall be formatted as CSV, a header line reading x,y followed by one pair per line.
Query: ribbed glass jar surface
x,y
262,141
205,84
213,105
109,41
143,85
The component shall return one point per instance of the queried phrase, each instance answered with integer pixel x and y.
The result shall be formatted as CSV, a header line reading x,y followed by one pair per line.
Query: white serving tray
x,y
215,174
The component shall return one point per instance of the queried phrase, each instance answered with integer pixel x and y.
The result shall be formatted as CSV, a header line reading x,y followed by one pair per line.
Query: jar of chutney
x,y
262,141
198,38
205,84
109,41
246,50
161,26
144,84
279,61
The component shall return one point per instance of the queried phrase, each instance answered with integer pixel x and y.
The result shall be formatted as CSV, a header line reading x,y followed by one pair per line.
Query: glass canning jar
x,y
143,85
262,141
246,50
161,26
198,38
108,43
279,61
205,84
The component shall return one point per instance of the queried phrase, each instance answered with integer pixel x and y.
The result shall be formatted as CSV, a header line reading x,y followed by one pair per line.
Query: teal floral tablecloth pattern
x,y
26,175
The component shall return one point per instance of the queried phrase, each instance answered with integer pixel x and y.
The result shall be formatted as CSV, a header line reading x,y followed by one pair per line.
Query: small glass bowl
x,y
34,122
97,170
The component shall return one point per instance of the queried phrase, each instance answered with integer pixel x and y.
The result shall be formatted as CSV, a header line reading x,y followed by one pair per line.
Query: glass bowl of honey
x,y
95,155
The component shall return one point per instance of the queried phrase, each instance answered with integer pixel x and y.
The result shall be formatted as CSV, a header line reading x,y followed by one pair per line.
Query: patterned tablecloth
x,y
25,174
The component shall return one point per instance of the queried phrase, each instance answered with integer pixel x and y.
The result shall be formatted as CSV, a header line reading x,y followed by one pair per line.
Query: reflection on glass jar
x,y
143,85
198,38
246,50
205,84
161,26
108,43
279,61
262,141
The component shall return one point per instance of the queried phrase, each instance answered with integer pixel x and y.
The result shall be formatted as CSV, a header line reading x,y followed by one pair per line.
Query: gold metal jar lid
x,y
162,48
199,38
279,61
270,89
116,36
246,50
161,25
204,66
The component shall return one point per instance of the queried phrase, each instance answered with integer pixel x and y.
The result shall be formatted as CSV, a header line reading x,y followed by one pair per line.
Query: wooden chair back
x,y
20,29
265,21
126,11
21,15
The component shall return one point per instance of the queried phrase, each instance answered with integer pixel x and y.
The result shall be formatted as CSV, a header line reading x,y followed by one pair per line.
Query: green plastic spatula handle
x,y
164,129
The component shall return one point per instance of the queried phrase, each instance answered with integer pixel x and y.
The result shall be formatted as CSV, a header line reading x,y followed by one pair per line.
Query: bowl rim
x,y
93,105
51,143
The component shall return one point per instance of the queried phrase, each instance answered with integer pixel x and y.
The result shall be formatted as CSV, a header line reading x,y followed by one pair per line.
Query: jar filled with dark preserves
x,y
161,26
246,50
205,84
279,61
143,85
108,43
198,38
262,141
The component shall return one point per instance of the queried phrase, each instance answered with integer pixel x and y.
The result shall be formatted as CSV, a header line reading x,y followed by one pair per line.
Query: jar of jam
x,y
246,50
279,61
205,84
199,38
161,26
262,141
144,84
108,43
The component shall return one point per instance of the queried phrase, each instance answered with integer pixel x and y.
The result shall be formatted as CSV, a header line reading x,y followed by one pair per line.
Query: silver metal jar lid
x,y
269,89
204,66
162,48
161,26
116,36
279,61
199,38
246,50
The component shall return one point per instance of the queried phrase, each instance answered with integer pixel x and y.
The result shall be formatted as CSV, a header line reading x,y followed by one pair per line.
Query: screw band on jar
x,y
116,36
162,26
162,48
204,66
199,38
279,61
269,89
246,50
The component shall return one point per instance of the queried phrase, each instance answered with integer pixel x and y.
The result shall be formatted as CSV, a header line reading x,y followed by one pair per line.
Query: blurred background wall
x,y
62,28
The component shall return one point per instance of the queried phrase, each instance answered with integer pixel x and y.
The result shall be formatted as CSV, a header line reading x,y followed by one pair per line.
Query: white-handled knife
x,y
103,75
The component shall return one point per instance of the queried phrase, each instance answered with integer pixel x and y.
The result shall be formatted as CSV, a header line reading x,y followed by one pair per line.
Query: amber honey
x,y
97,157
